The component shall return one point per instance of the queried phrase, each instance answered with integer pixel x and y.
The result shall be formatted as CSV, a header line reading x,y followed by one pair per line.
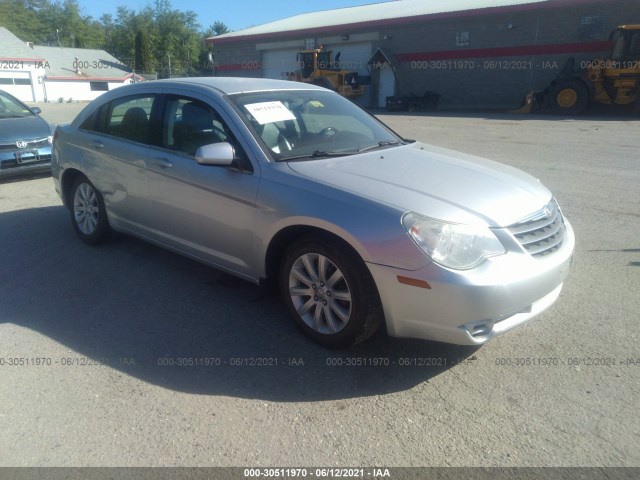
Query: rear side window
x,y
128,118
97,121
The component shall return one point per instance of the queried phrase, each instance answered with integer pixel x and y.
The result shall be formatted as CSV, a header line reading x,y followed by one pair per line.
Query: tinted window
x,y
96,122
189,124
127,118
10,108
99,86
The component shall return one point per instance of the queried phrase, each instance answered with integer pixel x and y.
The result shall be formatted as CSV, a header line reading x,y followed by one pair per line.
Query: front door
x,y
202,210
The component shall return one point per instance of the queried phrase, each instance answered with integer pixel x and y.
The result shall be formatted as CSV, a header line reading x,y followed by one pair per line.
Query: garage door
x,y
353,56
17,84
276,63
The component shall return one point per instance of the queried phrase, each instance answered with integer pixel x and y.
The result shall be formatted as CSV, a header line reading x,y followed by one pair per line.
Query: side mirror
x,y
36,110
220,154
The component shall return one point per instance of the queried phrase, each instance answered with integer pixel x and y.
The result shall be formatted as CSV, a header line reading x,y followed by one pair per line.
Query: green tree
x,y
144,59
22,18
206,51
218,28
173,38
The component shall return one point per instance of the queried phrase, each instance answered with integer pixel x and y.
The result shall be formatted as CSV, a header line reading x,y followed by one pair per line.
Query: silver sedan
x,y
292,185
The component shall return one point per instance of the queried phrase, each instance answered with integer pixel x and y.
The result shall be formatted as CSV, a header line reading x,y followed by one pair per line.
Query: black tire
x,y
88,215
363,311
569,97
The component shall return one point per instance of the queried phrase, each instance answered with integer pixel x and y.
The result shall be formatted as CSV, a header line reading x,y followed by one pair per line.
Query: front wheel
x,y
569,97
330,293
88,213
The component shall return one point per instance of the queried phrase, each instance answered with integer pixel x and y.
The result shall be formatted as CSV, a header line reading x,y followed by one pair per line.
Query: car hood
x,y
28,128
434,182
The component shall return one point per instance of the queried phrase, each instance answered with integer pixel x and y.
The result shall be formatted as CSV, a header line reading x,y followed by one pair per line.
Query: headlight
x,y
452,245
50,139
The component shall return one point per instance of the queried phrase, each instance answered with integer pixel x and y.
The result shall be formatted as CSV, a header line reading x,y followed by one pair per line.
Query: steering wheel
x,y
328,132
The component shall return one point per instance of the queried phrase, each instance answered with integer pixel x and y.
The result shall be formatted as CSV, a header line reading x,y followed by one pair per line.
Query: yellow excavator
x,y
317,66
613,81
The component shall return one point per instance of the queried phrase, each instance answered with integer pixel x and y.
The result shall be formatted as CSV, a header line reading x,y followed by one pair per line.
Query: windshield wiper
x,y
384,143
316,154
339,153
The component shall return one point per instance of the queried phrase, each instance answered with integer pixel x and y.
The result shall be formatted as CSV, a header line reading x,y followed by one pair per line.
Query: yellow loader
x,y
613,81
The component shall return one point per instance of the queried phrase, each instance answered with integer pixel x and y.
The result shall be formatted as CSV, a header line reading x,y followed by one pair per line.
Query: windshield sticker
x,y
269,112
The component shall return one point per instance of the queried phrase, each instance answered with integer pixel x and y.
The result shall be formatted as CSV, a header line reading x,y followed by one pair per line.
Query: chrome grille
x,y
542,233
29,144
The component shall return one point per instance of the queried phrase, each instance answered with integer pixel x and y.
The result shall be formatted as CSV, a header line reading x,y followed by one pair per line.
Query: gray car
x,y
25,138
292,185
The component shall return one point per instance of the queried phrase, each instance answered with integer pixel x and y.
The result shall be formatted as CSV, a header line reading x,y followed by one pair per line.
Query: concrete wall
x,y
541,42
509,52
238,60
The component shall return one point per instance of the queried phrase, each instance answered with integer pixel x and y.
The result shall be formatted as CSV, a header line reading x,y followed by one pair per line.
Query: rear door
x,y
116,141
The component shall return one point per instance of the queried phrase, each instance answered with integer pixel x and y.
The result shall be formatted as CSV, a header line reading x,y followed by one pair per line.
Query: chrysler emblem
x,y
21,144
548,211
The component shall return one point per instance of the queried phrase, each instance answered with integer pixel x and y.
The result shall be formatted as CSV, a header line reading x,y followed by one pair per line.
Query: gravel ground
x,y
107,319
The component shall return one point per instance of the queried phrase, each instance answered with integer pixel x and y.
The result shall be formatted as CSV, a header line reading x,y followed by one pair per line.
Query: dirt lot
x,y
106,320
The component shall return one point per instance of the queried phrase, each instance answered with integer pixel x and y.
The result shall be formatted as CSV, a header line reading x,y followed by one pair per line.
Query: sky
x,y
236,14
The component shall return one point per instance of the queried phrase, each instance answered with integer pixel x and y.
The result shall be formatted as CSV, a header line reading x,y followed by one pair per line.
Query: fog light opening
x,y
480,330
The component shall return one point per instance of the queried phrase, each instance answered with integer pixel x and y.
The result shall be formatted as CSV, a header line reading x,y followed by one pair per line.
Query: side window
x,y
189,124
128,118
97,121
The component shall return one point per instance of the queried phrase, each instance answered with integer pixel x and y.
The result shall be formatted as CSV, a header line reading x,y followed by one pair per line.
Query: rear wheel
x,y
88,214
329,293
569,97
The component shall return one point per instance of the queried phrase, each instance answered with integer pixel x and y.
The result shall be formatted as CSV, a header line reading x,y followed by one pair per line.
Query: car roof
x,y
231,85
220,85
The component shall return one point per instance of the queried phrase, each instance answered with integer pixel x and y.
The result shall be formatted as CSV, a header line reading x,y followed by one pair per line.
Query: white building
x,y
81,73
38,73
22,70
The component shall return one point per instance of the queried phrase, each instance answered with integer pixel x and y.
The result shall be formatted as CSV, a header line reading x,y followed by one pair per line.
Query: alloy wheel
x,y
320,293
85,209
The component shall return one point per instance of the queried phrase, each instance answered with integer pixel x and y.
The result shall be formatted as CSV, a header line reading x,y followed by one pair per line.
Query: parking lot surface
x,y
135,356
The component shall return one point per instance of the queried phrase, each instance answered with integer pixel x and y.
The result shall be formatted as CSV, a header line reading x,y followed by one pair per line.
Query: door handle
x,y
162,163
97,144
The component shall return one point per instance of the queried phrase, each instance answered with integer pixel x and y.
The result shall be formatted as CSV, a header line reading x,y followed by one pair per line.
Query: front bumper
x,y
469,307
24,161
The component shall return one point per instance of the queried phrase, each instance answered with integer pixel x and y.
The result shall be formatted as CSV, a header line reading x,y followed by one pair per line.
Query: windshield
x,y
306,124
10,108
626,45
